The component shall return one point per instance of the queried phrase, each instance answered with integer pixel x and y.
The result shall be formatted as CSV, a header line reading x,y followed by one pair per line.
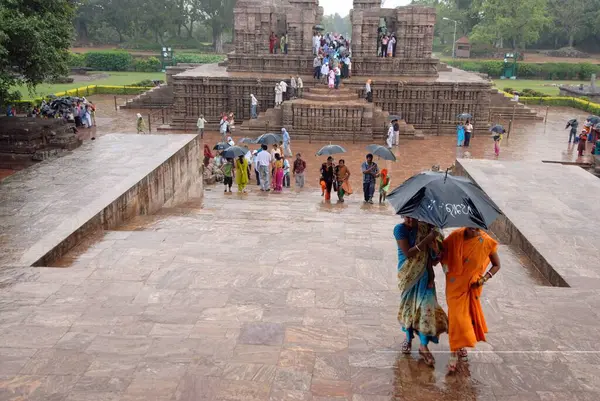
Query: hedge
x,y
554,71
89,91
109,61
123,61
590,107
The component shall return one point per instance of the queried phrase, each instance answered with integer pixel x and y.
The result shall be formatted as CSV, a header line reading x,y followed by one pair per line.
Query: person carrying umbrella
x,y
419,312
370,170
467,255
227,169
460,134
241,173
327,177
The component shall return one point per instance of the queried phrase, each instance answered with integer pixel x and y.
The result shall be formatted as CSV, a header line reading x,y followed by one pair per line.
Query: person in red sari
x,y
272,40
207,155
466,257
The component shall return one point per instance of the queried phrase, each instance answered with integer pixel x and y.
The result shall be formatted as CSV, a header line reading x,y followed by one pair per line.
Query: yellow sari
x,y
241,173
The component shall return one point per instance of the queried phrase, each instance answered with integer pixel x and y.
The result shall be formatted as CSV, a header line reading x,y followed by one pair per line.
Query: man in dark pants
x,y
370,172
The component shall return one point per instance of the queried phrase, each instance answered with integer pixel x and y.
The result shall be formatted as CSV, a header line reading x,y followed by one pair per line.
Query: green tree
x,y
520,22
35,36
572,17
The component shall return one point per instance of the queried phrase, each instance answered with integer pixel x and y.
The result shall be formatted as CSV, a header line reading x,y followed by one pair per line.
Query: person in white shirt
x,y
230,141
390,136
283,86
263,161
253,106
278,95
200,125
468,133
223,125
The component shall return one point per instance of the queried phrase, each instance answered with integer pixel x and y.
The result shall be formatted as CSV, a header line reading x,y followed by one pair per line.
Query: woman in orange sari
x,y
467,255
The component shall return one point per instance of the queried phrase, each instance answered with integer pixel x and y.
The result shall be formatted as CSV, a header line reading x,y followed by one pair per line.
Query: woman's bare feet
x,y
427,356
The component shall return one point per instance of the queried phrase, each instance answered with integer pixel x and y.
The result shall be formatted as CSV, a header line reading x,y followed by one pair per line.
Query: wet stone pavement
x,y
530,141
278,298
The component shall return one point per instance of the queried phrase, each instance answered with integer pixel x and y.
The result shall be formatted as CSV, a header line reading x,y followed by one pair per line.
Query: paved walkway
x,y
278,298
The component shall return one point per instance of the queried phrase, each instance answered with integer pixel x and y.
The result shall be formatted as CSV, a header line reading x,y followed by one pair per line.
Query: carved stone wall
x,y
413,26
426,105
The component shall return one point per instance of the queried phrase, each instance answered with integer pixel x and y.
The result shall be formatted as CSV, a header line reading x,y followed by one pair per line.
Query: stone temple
x,y
426,93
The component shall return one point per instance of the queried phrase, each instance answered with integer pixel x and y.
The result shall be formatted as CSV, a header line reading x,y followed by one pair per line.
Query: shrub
x,y
76,60
508,89
150,64
147,83
198,58
109,61
554,71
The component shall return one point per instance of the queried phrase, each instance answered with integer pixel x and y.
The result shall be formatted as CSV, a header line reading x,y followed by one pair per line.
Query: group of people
x,y
273,169
386,44
278,44
393,134
332,60
465,256
337,178
589,133
464,132
283,91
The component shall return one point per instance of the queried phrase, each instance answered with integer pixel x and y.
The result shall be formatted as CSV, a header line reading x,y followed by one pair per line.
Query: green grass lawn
x,y
547,87
114,79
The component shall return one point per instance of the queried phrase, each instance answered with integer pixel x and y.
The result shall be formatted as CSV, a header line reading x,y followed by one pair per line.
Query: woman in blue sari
x,y
460,134
419,313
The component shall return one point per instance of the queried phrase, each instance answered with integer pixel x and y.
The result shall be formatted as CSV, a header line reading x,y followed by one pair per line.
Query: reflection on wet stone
x,y
261,334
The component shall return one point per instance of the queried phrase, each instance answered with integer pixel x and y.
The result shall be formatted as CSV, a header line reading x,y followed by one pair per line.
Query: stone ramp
x,y
549,212
48,208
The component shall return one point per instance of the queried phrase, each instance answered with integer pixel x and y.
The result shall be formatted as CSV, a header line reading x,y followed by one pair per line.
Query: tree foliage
x,y
337,24
35,36
519,23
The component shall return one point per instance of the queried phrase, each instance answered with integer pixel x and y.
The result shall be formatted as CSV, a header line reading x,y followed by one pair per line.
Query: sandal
x,y
406,347
427,357
462,354
452,363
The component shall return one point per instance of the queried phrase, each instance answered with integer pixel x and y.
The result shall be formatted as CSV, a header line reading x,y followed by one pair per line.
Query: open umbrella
x,y
318,27
464,116
330,150
269,139
247,140
498,129
593,120
394,117
234,151
221,146
382,152
444,201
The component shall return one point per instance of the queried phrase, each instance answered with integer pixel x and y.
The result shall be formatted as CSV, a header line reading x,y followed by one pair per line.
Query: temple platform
x,y
48,208
425,102
550,212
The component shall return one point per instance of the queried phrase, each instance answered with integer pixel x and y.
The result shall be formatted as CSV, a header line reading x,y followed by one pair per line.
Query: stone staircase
x,y
155,98
502,108
324,114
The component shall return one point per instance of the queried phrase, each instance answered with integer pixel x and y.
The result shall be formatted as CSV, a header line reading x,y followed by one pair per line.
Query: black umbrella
x,y
269,139
464,116
221,146
444,201
234,151
394,117
382,152
593,120
498,129
328,150
318,27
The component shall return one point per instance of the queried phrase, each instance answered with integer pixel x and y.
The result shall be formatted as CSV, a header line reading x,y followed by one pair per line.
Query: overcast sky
x,y
343,7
